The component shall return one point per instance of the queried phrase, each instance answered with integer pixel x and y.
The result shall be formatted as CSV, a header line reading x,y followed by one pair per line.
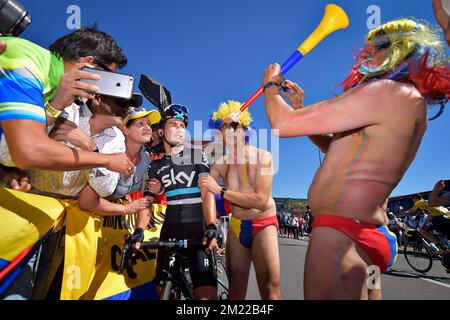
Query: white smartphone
x,y
111,84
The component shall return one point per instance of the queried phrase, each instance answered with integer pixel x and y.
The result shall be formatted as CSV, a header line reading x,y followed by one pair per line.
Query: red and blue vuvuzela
x,y
334,19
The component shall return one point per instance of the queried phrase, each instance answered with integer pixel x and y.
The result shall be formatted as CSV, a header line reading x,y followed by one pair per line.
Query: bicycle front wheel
x,y
418,256
222,278
169,292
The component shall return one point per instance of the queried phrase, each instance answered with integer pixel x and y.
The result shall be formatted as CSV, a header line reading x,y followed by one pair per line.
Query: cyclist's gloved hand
x,y
210,237
211,232
137,238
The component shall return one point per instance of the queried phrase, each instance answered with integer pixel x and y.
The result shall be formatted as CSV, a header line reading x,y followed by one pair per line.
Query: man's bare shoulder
x,y
387,100
393,90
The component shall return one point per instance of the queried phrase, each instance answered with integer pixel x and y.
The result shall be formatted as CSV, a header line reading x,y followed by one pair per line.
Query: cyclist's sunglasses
x,y
177,107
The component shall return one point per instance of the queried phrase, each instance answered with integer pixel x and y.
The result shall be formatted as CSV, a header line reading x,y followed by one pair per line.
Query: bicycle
x,y
221,270
419,253
177,284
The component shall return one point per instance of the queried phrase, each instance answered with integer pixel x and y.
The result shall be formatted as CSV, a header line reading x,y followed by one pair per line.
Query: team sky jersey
x,y
179,174
29,76
158,199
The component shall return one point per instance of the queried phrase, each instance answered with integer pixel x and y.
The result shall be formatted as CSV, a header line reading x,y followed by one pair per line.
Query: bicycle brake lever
x,y
214,260
125,253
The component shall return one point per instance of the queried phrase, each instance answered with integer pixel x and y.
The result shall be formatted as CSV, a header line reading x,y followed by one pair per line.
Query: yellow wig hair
x,y
414,54
225,110
402,37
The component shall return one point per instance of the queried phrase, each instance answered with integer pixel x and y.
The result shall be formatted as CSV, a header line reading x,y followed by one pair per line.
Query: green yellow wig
x,y
229,109
415,55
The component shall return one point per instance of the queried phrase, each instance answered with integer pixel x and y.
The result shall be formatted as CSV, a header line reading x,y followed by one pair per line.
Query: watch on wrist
x,y
222,192
272,84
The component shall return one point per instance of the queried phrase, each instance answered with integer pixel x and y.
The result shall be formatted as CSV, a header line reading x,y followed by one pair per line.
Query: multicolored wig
x,y
415,55
227,109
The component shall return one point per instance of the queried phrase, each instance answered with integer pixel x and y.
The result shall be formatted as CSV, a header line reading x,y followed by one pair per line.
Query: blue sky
x,y
209,51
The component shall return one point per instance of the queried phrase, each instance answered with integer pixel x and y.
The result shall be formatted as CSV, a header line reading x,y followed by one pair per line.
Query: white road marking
x,y
422,278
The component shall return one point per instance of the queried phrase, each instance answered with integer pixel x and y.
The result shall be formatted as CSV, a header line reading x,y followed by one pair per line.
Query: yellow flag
x,y
93,247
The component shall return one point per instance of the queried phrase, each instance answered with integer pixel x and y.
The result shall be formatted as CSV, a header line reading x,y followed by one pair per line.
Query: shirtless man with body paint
x,y
248,173
376,128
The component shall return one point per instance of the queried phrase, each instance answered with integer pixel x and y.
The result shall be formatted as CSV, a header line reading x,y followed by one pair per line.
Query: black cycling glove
x,y
210,233
138,236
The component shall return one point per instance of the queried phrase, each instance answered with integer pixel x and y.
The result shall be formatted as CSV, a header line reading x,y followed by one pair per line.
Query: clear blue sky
x,y
209,51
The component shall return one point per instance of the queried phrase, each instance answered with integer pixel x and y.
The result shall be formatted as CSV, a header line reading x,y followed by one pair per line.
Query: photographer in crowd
x,y
78,124
37,82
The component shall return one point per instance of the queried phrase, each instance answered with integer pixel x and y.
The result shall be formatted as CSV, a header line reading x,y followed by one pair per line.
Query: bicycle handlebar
x,y
127,253
184,243
168,244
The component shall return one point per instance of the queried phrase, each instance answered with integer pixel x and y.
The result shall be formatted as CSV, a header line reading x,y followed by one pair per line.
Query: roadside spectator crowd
x,y
296,226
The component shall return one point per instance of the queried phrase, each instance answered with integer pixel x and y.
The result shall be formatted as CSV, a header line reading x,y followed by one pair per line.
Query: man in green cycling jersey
x,y
36,84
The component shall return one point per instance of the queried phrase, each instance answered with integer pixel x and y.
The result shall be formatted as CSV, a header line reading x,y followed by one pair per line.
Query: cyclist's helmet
x,y
176,111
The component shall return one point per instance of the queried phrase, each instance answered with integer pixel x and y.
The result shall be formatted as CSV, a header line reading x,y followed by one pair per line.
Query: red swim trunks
x,y
376,240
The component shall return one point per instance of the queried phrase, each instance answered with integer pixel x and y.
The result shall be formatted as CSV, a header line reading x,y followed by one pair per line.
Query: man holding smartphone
x,y
36,85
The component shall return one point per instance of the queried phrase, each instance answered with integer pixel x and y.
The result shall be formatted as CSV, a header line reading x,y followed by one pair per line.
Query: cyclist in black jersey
x,y
191,212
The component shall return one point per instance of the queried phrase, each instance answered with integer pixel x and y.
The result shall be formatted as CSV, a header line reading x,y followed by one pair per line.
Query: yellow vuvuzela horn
x,y
333,19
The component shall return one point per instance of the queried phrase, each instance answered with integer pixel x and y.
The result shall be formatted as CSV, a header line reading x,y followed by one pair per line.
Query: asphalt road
x,y
400,283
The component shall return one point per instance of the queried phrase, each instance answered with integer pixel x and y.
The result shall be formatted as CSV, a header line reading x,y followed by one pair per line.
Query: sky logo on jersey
x,y
162,169
181,177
